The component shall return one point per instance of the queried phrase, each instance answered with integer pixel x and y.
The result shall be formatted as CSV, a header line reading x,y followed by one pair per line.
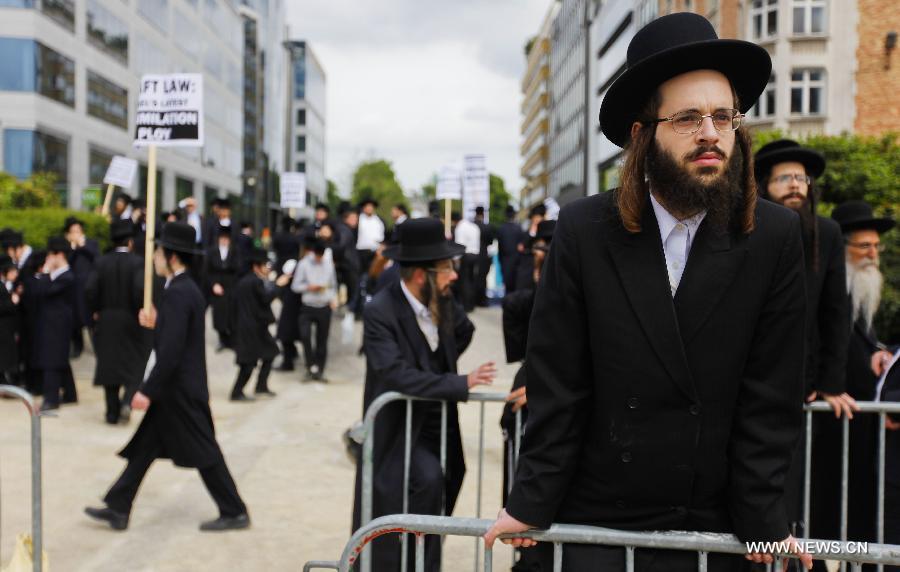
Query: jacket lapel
x,y
410,327
711,268
641,265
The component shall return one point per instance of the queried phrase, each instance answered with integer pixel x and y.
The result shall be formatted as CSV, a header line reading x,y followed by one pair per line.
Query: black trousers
x,y
116,397
56,379
262,380
217,479
484,267
468,275
349,277
321,318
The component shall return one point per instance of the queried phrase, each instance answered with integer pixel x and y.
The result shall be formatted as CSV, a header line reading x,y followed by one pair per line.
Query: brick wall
x,y
878,75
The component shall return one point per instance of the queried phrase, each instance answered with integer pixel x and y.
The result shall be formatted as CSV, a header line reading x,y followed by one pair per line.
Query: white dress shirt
x,y
468,234
223,252
371,232
58,272
193,219
677,237
423,317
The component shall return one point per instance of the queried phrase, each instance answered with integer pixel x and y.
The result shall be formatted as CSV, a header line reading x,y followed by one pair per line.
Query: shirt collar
x,y
418,307
667,221
58,272
173,277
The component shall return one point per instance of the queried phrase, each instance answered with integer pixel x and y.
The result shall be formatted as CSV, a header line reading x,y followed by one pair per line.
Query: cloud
x,y
420,82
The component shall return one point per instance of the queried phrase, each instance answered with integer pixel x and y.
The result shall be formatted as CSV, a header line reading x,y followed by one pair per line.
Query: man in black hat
x,y
484,256
122,206
509,236
665,350
9,322
785,174
53,295
414,334
865,360
222,266
178,423
114,295
525,266
84,252
253,343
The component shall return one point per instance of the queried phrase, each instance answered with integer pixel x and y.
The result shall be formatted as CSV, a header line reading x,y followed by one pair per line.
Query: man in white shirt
x,y
316,280
370,233
467,234
192,217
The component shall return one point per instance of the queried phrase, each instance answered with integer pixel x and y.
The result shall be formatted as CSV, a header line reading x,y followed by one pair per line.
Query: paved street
x,y
286,455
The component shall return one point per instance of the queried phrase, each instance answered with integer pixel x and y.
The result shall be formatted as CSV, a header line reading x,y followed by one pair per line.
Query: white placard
x,y
121,172
170,111
552,208
293,190
476,186
449,185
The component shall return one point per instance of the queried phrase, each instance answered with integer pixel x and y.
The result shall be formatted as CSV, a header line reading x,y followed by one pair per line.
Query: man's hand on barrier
x,y
140,402
518,399
890,424
506,524
805,558
484,375
841,403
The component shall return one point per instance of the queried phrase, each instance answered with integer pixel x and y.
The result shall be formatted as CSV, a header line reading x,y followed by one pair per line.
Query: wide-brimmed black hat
x,y
673,45
423,240
368,201
180,237
6,263
258,256
58,244
6,237
121,229
857,215
785,151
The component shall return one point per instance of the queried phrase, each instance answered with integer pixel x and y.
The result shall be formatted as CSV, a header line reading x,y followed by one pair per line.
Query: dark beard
x,y
807,216
682,192
441,306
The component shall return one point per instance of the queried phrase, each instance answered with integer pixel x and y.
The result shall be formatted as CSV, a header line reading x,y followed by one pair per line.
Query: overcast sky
x,y
420,82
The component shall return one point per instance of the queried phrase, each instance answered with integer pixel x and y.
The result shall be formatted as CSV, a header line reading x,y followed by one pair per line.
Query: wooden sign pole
x,y
151,228
447,209
108,200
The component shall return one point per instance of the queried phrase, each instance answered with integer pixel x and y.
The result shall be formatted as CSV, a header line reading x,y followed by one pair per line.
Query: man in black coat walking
x,y
9,322
222,266
83,255
786,173
484,258
253,342
53,295
414,334
114,294
178,423
665,352
509,236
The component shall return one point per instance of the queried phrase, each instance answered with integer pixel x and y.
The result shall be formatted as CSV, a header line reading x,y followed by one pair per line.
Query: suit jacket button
x,y
626,457
695,409
633,402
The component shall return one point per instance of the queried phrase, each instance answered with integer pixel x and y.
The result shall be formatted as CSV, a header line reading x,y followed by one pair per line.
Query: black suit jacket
x,y
890,391
54,303
648,412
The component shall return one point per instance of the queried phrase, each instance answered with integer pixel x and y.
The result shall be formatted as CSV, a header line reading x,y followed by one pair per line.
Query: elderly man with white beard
x,y
866,359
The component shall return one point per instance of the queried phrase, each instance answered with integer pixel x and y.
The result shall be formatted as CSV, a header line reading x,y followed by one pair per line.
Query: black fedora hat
x,y
6,263
423,240
180,237
673,45
784,151
58,244
857,215
258,256
121,229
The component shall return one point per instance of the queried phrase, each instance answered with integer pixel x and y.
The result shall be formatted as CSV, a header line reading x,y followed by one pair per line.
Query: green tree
x,y
35,192
862,168
376,180
332,196
500,199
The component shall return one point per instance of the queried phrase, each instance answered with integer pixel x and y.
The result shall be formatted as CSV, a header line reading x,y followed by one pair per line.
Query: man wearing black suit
x,y
53,293
178,423
414,333
666,348
509,236
889,390
484,259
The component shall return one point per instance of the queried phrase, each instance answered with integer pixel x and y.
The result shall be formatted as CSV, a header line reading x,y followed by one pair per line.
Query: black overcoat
x,y
509,235
178,421
54,319
253,314
115,293
649,412
397,359
9,326
223,272
82,261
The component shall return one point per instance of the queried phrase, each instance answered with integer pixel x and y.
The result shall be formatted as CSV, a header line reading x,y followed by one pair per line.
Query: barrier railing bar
x,y
807,472
882,425
407,456
480,475
702,561
629,559
557,557
420,552
320,564
845,479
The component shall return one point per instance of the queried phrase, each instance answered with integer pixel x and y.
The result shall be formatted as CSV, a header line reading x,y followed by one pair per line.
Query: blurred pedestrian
x,y
9,322
84,253
222,265
509,236
468,234
316,281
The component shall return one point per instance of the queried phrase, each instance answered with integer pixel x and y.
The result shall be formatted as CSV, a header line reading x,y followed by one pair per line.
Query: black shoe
x,y
46,406
226,523
319,376
69,400
241,397
117,520
265,393
112,421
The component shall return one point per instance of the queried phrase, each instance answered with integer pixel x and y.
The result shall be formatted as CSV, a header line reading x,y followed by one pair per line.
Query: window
x,y
299,78
301,143
62,11
26,152
808,92
106,31
31,66
184,188
809,17
301,167
56,75
764,19
107,101
301,115
18,71
156,12
765,105
98,162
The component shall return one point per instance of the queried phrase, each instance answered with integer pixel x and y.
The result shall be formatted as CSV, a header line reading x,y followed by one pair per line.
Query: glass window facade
x,y
184,188
298,62
301,143
765,105
808,92
106,31
567,106
301,167
26,152
809,17
98,162
301,117
107,101
156,12
61,11
764,19
56,75
27,65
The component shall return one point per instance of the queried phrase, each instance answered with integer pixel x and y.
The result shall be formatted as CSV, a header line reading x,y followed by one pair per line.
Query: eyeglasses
x,y
879,247
687,122
786,179
454,267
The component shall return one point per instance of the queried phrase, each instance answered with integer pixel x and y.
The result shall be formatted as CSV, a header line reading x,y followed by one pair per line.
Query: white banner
x,y
170,111
476,186
449,185
293,190
121,172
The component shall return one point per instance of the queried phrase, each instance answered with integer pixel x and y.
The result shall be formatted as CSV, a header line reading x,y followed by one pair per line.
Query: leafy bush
x,y
40,224
36,191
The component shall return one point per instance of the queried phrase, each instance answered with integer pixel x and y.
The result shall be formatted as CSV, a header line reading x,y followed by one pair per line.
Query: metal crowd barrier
x,y
369,443
36,518
703,543
880,408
